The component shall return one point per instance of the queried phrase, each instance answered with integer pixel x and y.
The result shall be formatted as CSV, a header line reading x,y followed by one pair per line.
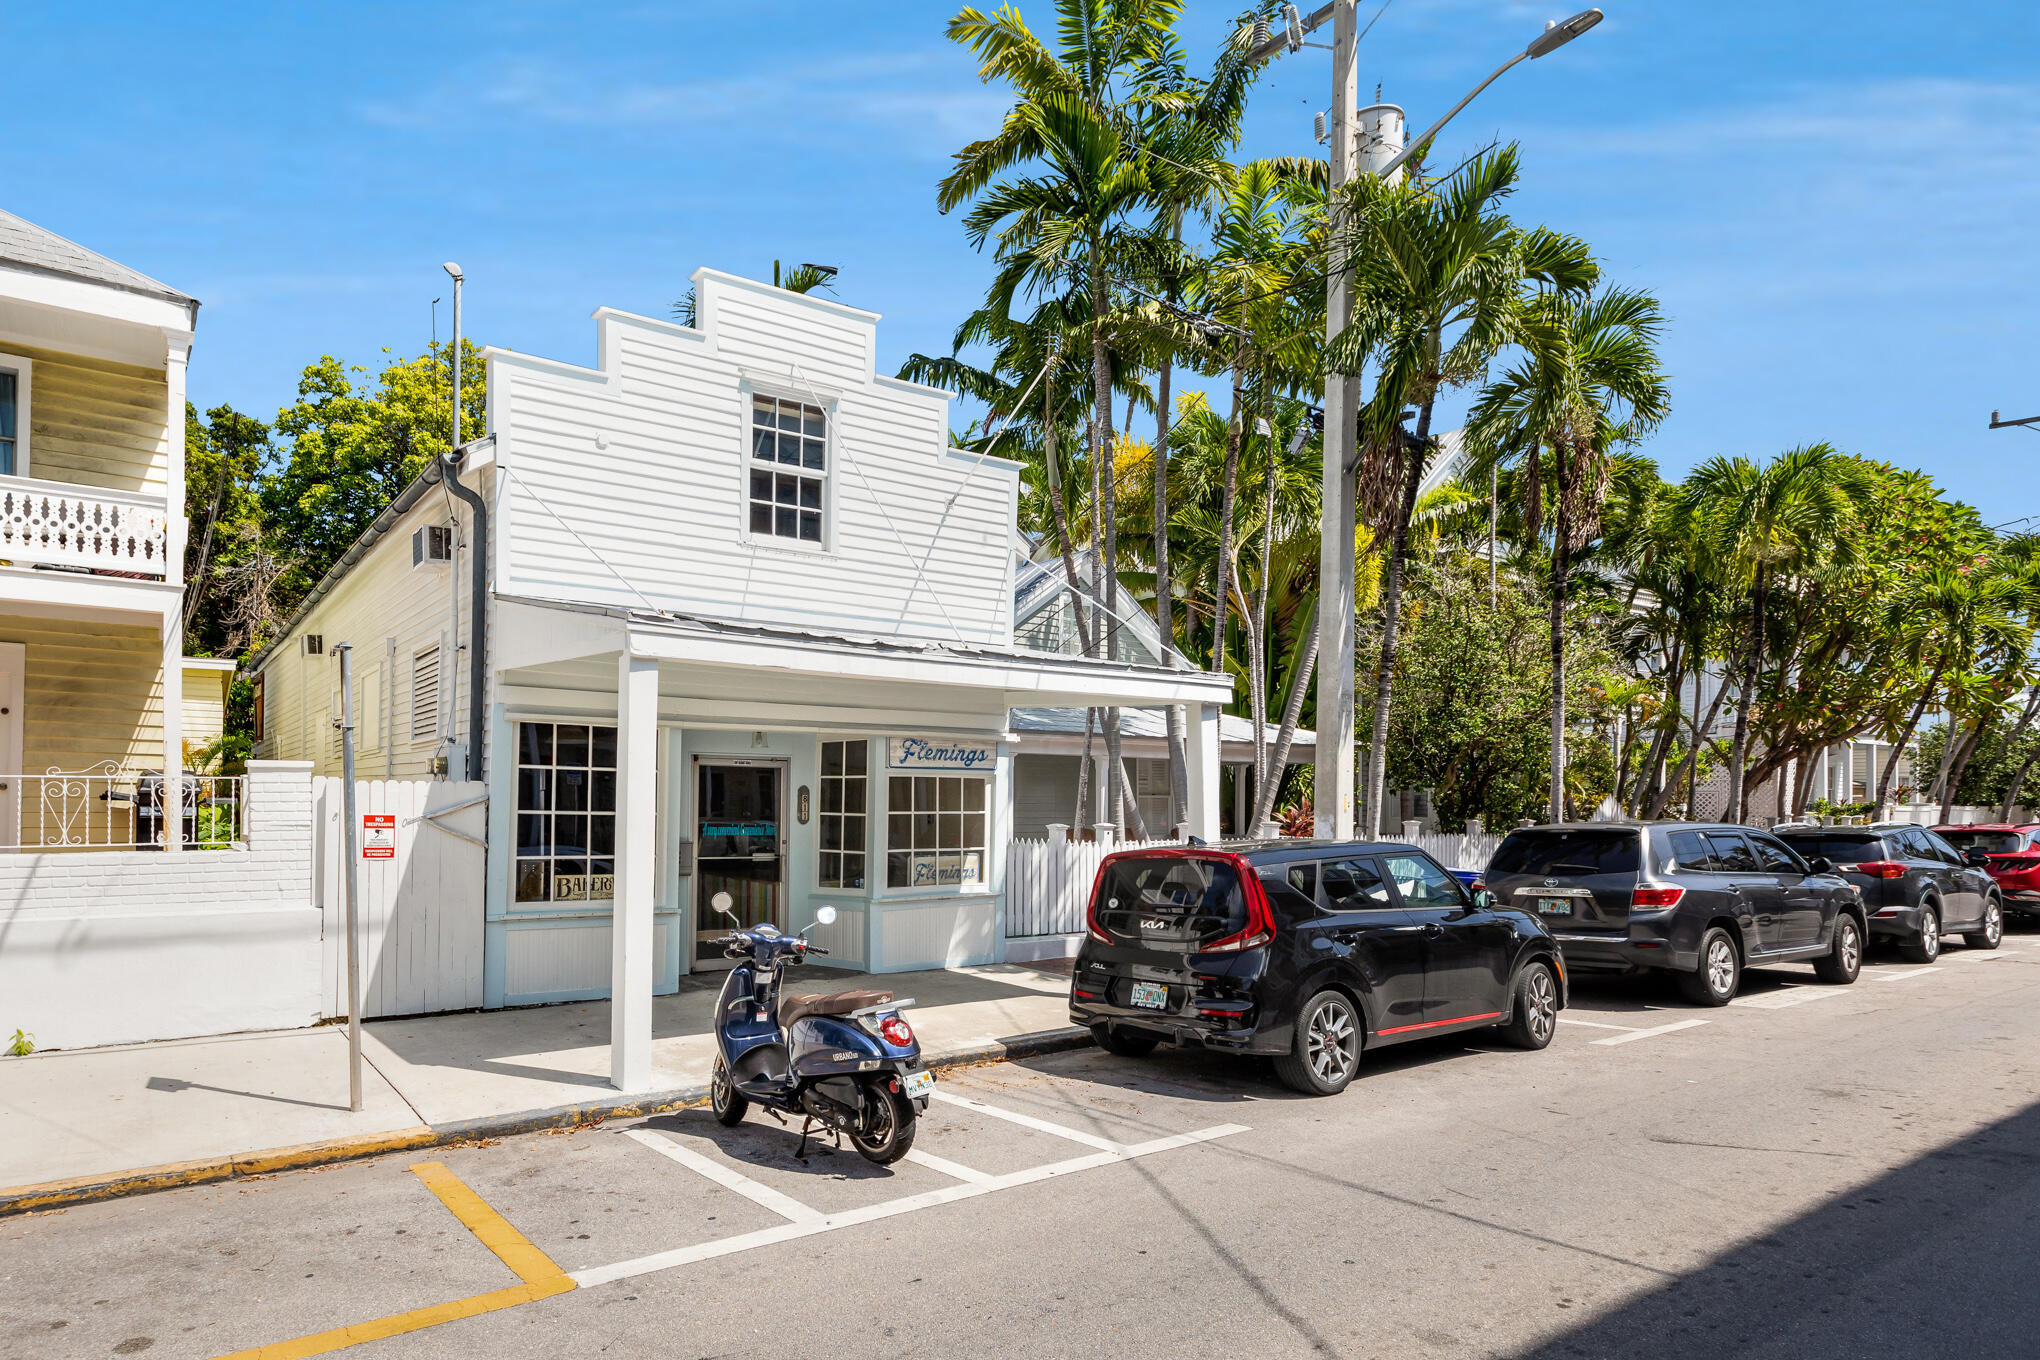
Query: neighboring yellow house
x,y
92,530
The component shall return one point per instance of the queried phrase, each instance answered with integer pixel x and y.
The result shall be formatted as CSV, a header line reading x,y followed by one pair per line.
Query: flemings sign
x,y
931,754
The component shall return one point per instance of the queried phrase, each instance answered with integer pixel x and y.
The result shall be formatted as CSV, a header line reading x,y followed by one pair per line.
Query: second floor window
x,y
10,402
789,469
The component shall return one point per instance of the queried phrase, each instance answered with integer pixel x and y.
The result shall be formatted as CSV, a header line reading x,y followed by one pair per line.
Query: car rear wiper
x,y
1573,869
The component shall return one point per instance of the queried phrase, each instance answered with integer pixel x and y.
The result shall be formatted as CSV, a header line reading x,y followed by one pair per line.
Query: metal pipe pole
x,y
1334,776
349,829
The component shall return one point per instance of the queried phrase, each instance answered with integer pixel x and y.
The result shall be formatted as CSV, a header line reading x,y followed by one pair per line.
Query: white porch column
x,y
177,354
1201,740
632,965
173,727
1240,810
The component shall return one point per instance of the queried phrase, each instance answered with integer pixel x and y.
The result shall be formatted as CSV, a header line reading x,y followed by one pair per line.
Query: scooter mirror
x,y
825,916
721,902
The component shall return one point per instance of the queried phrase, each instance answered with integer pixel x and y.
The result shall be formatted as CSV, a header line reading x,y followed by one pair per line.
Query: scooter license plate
x,y
914,1085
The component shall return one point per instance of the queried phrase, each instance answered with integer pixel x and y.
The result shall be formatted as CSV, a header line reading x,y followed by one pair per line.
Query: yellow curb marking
x,y
541,1275
495,1232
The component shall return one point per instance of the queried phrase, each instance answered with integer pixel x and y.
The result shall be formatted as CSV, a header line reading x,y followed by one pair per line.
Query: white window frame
x,y
869,853
882,878
831,452
23,369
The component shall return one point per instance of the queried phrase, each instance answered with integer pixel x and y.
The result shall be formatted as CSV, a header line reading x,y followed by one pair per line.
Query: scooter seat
x,y
792,1008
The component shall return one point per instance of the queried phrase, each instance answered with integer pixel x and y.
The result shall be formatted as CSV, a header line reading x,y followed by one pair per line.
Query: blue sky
x,y
1835,201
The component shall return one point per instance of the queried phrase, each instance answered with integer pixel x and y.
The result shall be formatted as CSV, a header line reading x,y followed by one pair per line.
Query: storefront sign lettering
x,y
948,871
583,887
920,753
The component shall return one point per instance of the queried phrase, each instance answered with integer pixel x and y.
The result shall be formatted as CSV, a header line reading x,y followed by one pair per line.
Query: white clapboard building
x,y
746,626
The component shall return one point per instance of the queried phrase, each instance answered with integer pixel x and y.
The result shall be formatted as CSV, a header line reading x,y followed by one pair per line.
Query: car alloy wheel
x,y
1720,965
1852,948
1930,934
1542,995
1333,1045
1993,922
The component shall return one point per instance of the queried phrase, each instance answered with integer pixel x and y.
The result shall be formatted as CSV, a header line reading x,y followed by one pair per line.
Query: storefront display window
x,y
936,831
843,816
566,812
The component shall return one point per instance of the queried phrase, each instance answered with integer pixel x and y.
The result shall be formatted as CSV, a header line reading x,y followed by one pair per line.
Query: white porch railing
x,y
58,524
110,807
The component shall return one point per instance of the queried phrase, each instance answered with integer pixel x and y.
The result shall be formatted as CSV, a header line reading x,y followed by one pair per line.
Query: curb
x,y
23,1199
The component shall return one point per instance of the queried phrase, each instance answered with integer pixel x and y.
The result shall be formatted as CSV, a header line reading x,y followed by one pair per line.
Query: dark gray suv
x,y
1917,887
1700,900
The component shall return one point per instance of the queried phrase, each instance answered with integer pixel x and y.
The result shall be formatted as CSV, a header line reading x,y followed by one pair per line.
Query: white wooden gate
x,y
421,910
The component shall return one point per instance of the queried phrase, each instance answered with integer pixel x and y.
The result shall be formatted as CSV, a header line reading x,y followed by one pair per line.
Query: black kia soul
x,y
1307,951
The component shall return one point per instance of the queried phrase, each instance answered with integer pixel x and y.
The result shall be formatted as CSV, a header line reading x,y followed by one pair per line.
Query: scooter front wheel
x,y
889,1122
722,1095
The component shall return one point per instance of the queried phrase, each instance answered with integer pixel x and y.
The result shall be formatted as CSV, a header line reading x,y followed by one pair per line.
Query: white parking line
x,y
1569,1020
1906,974
785,1232
1028,1121
953,1170
1779,1000
785,1206
1636,1034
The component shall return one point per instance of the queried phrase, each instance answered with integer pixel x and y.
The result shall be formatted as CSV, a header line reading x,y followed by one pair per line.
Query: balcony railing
x,y
82,527
110,807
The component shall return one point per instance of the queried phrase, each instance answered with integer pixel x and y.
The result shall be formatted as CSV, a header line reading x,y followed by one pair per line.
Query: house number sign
x,y
800,803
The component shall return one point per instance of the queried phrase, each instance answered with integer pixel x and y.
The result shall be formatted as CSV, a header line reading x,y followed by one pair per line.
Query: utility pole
x,y
1333,779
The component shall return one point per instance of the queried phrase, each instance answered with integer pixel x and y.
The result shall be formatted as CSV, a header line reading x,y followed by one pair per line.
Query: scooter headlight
x,y
895,1031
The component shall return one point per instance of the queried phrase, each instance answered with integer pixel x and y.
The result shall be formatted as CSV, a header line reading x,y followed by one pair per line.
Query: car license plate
x,y
1152,995
917,1084
1554,906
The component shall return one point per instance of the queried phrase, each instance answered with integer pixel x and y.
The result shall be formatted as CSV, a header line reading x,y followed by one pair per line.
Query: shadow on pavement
x,y
1929,1260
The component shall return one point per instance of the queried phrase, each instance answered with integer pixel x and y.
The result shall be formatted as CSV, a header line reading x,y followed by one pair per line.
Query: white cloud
x,y
918,95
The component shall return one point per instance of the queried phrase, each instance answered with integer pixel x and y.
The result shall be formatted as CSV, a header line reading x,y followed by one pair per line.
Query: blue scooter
x,y
845,1061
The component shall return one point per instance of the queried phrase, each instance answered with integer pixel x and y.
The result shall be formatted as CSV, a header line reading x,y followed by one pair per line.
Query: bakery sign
x,y
583,887
936,754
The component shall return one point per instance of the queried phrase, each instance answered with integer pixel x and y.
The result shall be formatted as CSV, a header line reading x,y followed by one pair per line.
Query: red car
x,y
2014,852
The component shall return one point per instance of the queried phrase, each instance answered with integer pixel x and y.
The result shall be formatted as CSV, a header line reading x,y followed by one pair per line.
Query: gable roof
x,y
24,245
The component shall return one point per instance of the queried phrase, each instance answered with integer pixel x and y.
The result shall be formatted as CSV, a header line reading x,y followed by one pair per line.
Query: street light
x,y
1335,769
1550,40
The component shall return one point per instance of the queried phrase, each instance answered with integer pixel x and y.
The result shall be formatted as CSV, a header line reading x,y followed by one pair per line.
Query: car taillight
x,y
1877,868
1647,898
896,1032
1091,925
1260,926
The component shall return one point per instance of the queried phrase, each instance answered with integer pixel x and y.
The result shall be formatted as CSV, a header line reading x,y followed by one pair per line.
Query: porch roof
x,y
532,632
25,245
1060,731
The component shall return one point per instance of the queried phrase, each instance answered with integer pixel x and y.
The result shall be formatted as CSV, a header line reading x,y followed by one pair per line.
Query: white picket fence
x,y
1048,882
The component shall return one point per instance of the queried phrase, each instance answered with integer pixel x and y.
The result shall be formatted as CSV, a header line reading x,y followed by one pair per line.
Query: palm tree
x,y
1762,523
1428,264
1061,224
1588,381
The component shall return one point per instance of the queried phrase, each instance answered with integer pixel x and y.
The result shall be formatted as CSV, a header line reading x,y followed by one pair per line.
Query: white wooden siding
x,y
384,597
94,422
628,485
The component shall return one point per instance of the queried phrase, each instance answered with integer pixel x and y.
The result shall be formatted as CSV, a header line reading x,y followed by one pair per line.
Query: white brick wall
x,y
120,946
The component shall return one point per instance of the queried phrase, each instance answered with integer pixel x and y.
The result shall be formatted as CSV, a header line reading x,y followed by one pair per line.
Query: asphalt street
x,y
1812,1171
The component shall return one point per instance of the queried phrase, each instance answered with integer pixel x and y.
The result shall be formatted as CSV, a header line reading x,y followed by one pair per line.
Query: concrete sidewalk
x,y
90,1122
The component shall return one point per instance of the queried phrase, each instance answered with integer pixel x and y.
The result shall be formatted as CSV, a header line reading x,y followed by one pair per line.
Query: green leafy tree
x,y
350,444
